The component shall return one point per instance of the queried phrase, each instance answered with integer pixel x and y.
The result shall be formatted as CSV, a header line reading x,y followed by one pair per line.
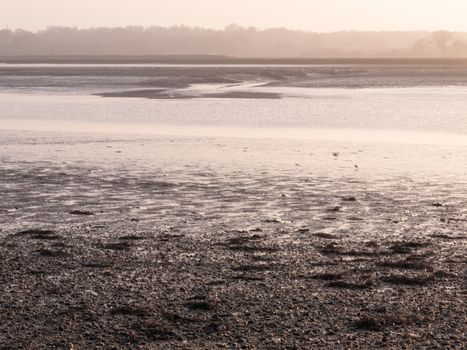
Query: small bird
x,y
356,166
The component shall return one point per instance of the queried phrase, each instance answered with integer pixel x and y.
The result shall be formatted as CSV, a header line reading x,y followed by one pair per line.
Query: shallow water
x,y
401,105
410,99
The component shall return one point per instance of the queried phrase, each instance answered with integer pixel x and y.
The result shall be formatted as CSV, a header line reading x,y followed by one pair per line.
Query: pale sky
x,y
312,15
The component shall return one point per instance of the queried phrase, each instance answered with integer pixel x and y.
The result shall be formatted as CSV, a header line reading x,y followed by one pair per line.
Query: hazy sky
x,y
313,15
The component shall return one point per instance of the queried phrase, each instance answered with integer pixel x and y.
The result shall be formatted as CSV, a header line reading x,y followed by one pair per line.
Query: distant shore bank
x,y
215,59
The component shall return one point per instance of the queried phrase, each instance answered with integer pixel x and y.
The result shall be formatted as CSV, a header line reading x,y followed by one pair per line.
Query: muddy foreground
x,y
96,256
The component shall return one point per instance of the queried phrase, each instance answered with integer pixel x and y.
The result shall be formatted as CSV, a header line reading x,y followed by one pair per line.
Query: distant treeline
x,y
233,41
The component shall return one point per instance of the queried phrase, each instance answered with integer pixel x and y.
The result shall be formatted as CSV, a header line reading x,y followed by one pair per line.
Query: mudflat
x,y
148,243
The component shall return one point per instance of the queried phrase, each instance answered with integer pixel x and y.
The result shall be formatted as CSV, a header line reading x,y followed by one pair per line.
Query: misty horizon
x,y
233,41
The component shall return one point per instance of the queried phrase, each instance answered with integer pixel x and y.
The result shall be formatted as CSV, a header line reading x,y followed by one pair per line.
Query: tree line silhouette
x,y
234,40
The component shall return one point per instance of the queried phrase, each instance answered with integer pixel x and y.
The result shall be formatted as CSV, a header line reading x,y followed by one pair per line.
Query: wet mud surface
x,y
95,256
161,94
127,79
